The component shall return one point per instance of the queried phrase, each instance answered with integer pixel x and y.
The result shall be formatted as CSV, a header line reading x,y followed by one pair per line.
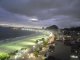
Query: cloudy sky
x,y
63,13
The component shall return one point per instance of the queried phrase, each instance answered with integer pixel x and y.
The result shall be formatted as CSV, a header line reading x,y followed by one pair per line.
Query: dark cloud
x,y
60,12
9,17
28,7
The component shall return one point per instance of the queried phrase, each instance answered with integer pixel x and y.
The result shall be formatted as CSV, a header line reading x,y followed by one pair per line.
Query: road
x,y
62,52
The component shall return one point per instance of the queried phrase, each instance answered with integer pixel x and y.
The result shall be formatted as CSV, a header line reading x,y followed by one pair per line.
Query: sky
x,y
63,13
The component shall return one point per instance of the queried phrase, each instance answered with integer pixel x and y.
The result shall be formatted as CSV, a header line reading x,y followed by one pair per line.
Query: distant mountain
x,y
53,27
